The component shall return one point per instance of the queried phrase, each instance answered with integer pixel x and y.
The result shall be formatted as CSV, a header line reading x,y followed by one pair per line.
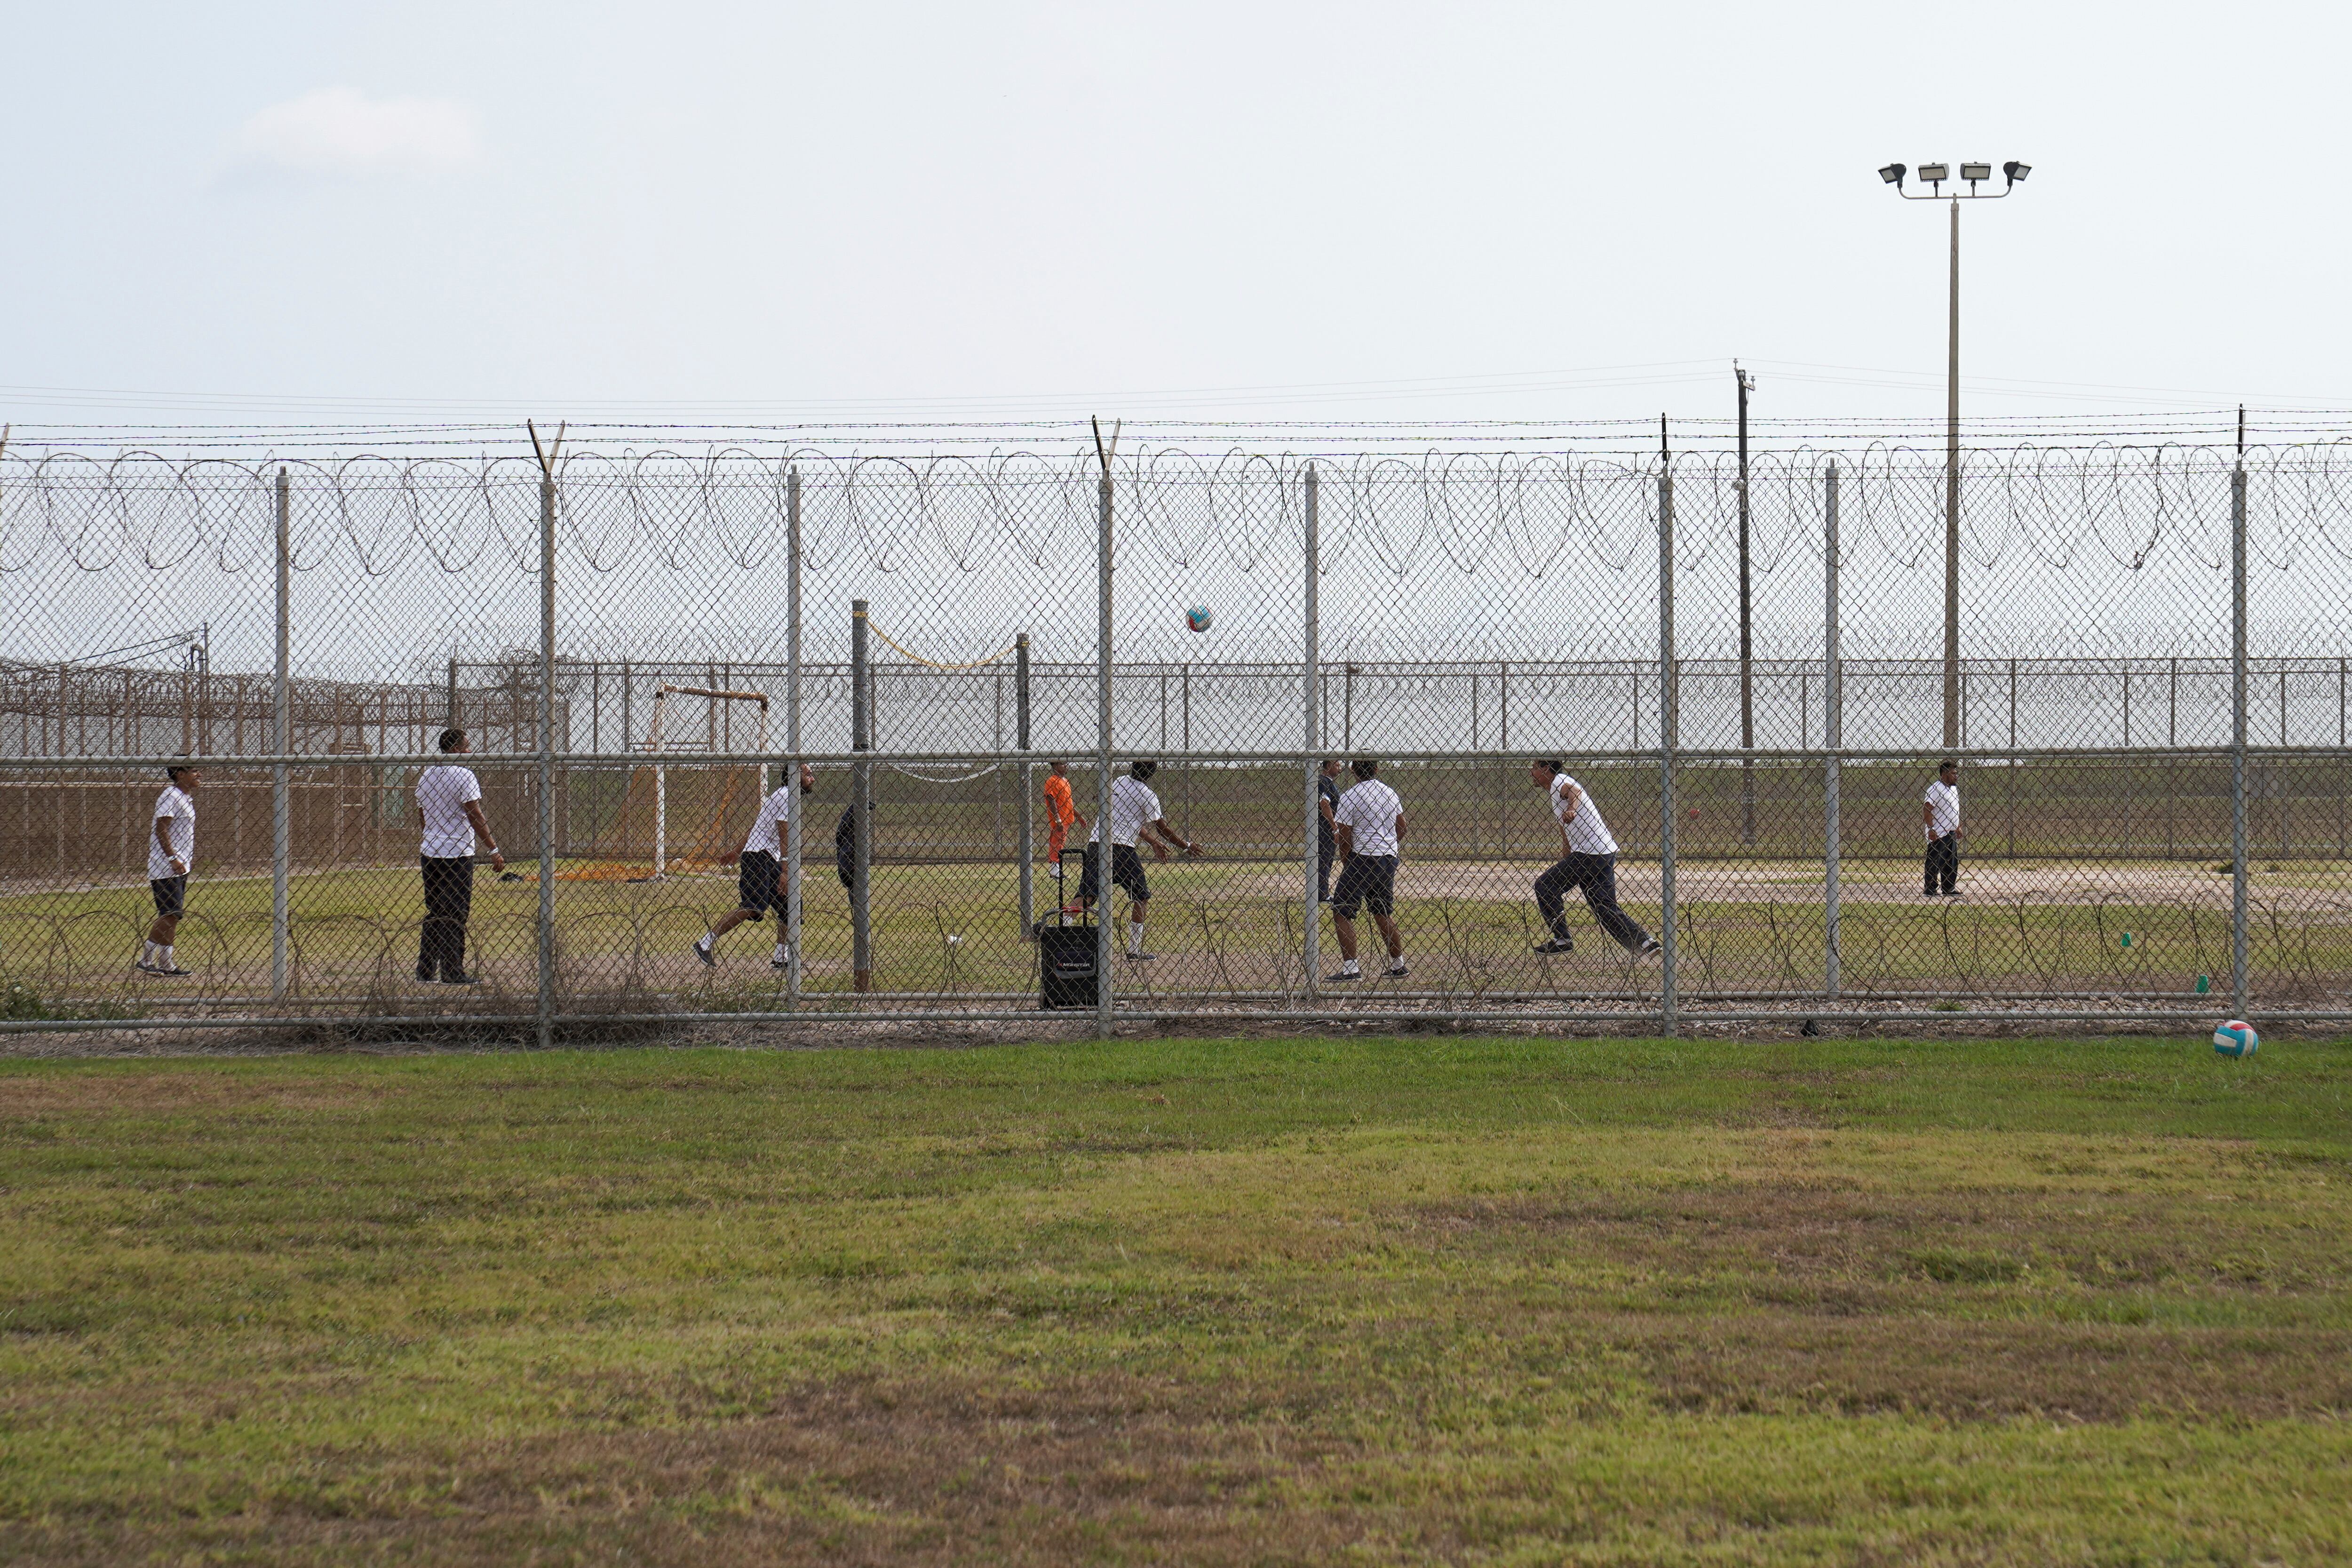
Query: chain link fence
x,y
1747,676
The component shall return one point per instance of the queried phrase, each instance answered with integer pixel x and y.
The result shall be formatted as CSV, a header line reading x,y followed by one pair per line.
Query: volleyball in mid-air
x,y
1197,618
2236,1039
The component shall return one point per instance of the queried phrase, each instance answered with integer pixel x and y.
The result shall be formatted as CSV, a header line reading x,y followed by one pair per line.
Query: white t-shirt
x,y
441,793
1370,812
174,803
774,811
1132,805
1943,803
1587,833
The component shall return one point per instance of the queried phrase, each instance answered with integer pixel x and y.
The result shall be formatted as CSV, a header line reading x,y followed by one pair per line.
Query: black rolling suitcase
x,y
1067,976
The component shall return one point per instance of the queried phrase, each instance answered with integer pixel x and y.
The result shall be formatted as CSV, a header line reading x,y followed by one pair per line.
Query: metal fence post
x,y
1312,954
281,741
861,804
2238,740
1028,846
546,757
1833,735
1667,731
1103,886
799,819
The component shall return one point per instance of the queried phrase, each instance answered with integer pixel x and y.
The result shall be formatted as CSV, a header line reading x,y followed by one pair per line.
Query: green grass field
x,y
2144,930
1289,1301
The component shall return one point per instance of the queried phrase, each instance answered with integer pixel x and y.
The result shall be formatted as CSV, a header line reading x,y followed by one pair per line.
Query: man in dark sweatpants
x,y
1587,863
450,800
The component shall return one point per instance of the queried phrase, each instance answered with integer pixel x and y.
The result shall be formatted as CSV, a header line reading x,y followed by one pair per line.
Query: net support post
x,y
799,845
1027,847
861,804
1667,729
281,730
546,1032
1833,732
1310,953
1104,903
2238,975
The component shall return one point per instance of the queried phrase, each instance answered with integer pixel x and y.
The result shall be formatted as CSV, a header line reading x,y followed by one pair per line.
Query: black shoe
x,y
1649,945
1396,971
709,960
780,965
174,973
1142,957
461,979
1343,976
1557,944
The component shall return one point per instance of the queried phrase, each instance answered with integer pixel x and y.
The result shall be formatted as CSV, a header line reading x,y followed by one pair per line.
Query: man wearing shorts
x,y
1134,815
759,884
171,847
1369,824
1061,815
1939,815
1587,863
449,799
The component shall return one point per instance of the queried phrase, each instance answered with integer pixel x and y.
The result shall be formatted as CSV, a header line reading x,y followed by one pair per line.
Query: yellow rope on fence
x,y
1007,652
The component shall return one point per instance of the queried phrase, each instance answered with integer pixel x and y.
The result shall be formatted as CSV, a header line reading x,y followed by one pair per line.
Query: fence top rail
x,y
1517,756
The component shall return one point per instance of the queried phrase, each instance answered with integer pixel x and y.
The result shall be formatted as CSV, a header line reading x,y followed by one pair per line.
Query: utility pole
x,y
1747,634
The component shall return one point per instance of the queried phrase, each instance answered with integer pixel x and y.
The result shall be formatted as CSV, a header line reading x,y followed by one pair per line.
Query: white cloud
x,y
336,131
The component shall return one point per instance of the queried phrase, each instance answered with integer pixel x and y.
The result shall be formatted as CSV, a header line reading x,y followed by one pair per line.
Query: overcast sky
x,y
1249,211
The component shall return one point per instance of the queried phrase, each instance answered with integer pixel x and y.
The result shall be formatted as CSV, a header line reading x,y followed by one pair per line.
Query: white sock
x,y
705,940
1348,966
147,950
164,952
1135,936
782,956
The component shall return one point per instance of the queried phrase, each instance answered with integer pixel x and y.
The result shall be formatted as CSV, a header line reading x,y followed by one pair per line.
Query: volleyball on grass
x,y
2236,1039
1197,618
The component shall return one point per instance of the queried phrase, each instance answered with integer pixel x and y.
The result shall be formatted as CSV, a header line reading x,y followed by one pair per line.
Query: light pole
x,y
1939,175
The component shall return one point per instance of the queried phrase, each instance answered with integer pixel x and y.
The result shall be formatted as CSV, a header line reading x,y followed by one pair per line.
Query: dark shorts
x,y
171,896
1126,869
1367,881
756,881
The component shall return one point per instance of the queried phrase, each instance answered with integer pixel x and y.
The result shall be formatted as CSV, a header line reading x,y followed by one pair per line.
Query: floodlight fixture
x,y
1892,174
1934,174
1973,172
2015,171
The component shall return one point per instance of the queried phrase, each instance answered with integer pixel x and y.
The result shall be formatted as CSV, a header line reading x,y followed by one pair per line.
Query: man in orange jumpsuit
x,y
1061,814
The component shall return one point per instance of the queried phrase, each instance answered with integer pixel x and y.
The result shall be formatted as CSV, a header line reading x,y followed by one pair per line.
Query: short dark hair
x,y
174,770
1363,767
1949,766
1551,762
452,738
1143,767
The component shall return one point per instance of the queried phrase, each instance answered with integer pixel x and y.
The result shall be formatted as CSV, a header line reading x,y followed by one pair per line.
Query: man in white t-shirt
x,y
171,849
1587,863
1369,826
759,885
449,799
1135,817
1939,816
